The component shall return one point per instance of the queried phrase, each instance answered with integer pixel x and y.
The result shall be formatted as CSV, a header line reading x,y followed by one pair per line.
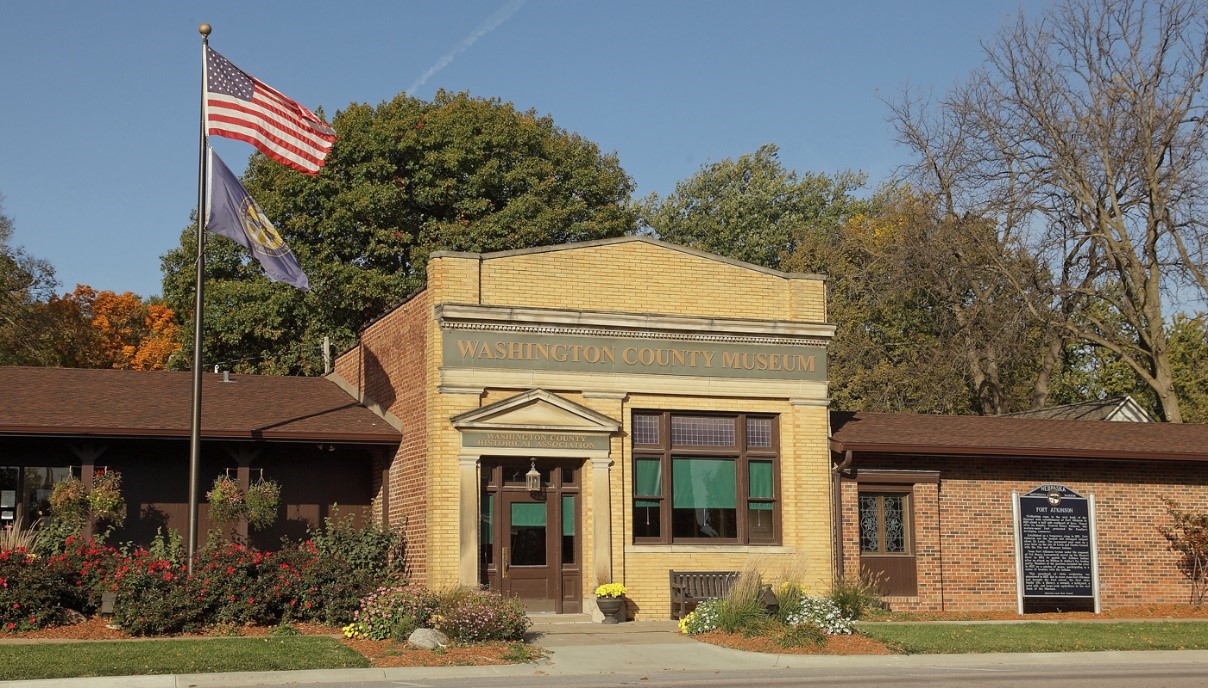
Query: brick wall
x,y
389,367
639,277
964,531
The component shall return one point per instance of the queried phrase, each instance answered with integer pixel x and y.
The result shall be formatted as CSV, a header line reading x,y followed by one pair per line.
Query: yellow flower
x,y
611,590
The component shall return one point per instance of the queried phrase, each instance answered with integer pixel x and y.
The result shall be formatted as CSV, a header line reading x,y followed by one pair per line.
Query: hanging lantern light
x,y
533,477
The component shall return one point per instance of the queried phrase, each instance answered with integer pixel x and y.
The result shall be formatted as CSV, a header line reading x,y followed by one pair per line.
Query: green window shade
x,y
760,473
487,536
568,515
649,478
528,515
703,484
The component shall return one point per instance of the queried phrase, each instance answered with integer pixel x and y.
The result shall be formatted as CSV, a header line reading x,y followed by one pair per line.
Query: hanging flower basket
x,y
261,501
226,502
105,501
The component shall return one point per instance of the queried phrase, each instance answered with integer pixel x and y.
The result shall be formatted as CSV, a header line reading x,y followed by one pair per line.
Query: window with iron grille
x,y
884,523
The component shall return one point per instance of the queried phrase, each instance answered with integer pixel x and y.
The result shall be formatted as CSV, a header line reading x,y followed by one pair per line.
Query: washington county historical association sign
x,y
1055,557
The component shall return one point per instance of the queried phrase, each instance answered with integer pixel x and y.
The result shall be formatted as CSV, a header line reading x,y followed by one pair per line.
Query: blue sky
x,y
98,128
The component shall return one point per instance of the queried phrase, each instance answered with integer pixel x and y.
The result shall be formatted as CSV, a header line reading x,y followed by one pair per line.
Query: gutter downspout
x,y
837,514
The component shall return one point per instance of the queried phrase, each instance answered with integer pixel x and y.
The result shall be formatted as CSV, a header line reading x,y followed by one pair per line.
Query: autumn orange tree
x,y
104,329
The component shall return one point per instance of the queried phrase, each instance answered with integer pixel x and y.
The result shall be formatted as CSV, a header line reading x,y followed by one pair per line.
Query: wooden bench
x,y
690,587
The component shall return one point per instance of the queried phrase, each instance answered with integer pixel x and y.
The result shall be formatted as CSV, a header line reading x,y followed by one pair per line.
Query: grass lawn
x,y
923,638
122,658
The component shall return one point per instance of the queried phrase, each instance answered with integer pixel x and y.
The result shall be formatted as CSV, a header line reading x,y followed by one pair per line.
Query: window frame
x,y
665,453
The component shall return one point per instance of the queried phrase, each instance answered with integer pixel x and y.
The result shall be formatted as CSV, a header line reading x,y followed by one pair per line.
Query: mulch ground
x,y
387,653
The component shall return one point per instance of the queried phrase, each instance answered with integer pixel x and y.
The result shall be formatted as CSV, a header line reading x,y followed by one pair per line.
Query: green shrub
x,y
742,609
167,545
155,597
86,567
329,590
702,619
801,635
242,585
818,611
381,612
375,551
856,595
472,616
30,593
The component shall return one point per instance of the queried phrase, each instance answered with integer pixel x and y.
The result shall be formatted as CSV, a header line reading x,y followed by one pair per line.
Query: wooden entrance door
x,y
530,539
529,562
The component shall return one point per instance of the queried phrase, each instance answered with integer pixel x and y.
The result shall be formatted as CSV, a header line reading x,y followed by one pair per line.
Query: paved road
x,y
678,665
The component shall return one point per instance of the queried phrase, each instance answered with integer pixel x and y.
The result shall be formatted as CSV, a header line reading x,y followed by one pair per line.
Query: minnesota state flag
x,y
231,212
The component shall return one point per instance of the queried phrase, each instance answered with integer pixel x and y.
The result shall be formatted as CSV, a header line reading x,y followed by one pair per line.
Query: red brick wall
x,y
389,366
964,532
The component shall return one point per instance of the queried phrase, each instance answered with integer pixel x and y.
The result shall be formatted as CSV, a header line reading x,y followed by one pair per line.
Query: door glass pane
x,y
528,534
895,523
486,530
568,529
870,524
515,475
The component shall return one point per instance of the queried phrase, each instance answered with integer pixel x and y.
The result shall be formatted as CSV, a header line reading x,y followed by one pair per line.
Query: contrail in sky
x,y
503,14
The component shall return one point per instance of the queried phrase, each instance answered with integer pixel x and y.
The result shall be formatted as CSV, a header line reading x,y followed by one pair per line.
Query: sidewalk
x,y
575,647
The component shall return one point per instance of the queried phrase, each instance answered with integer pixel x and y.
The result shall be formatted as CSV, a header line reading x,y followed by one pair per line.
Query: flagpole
x,y
195,432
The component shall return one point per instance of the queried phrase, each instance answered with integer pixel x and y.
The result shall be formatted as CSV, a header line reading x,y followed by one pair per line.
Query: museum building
x,y
541,420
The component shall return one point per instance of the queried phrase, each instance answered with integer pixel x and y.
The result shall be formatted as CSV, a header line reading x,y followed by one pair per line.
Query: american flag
x,y
240,106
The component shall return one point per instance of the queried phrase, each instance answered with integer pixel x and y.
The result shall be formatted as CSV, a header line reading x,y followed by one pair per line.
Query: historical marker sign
x,y
1055,543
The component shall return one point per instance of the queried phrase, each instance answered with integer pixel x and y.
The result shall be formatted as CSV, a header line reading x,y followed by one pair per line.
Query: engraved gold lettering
x,y
630,356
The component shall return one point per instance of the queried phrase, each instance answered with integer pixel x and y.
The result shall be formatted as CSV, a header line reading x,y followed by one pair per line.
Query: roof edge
x,y
622,240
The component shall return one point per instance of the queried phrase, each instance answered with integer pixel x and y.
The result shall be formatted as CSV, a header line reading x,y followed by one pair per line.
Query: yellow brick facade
x,y
635,288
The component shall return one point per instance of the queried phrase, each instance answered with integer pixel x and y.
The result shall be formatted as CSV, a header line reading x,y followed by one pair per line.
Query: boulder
x,y
427,639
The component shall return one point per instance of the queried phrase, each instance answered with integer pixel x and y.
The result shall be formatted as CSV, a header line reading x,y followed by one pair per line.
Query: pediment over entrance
x,y
536,410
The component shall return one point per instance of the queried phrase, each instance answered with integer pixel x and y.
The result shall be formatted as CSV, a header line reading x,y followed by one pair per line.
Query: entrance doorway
x,y
529,541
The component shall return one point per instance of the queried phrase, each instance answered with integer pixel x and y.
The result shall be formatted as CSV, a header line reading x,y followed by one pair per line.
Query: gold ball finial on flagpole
x,y
204,29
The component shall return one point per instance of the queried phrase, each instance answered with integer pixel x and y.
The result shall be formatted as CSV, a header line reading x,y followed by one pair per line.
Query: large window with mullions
x,y
701,477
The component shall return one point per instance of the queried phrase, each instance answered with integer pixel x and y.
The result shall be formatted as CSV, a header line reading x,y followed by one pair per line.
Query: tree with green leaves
x,y
922,324
25,282
752,208
405,178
